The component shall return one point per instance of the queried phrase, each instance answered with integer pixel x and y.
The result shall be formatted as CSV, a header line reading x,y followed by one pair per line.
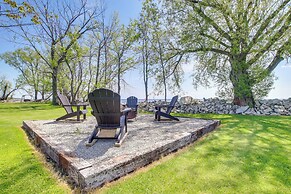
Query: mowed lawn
x,y
22,169
246,154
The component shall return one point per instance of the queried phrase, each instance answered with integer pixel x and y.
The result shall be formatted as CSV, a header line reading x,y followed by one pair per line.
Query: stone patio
x,y
90,167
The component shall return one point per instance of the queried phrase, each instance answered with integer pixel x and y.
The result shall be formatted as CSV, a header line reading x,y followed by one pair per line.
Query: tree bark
x,y
35,95
242,86
4,93
118,75
54,84
98,67
145,56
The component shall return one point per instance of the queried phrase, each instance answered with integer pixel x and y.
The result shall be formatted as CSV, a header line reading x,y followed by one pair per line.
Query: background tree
x,y
31,68
103,36
143,47
10,9
74,72
6,88
121,47
62,23
167,69
236,43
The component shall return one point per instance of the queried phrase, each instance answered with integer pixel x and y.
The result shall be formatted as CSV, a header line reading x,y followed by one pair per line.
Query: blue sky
x,y
130,9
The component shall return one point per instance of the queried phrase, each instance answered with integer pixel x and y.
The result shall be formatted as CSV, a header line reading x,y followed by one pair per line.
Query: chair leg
x,y
78,113
121,136
84,115
94,134
166,115
123,131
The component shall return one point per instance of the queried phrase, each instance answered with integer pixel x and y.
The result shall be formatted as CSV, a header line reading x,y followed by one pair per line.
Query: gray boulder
x,y
186,100
241,109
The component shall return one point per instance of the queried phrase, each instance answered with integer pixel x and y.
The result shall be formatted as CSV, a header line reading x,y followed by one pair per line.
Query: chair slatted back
x,y
106,107
172,104
131,102
65,101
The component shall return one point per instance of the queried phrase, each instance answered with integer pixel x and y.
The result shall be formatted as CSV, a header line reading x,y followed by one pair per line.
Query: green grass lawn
x,y
246,154
22,170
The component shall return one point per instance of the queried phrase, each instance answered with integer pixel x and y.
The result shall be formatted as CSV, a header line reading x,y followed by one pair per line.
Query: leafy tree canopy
x,y
236,43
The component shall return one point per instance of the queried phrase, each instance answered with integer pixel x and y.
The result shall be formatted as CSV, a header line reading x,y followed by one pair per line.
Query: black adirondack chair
x,y
69,108
159,113
131,102
106,109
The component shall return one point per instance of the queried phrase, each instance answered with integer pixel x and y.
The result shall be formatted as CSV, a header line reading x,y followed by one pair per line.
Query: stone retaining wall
x,y
215,105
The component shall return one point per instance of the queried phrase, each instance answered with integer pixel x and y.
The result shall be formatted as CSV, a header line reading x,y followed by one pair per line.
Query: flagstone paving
x,y
64,142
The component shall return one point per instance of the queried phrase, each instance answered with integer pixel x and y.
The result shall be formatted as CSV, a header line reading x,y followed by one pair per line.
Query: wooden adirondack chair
x,y
69,108
159,113
106,109
131,102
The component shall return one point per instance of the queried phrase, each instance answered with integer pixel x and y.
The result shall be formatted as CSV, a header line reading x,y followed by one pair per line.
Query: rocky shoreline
x,y
214,105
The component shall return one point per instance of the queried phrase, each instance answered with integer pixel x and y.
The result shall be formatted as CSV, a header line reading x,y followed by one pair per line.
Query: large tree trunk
x,y
243,96
55,84
242,86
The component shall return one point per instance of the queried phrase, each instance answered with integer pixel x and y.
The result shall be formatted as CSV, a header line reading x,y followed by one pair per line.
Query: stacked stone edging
x,y
219,106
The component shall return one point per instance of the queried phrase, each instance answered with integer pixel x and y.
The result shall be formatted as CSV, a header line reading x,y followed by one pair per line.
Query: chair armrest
x,y
126,110
78,106
83,104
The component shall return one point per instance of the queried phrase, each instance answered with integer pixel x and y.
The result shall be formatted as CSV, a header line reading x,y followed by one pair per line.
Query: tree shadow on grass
x,y
253,148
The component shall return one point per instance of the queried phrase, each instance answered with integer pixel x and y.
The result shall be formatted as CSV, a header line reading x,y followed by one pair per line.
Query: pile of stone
x,y
214,105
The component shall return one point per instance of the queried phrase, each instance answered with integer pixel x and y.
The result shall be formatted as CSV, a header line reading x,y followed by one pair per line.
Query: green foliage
x,y
246,154
237,42
33,76
122,43
15,10
5,87
72,75
156,42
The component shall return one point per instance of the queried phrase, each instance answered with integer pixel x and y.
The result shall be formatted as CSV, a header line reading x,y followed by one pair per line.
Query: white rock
x,y
186,100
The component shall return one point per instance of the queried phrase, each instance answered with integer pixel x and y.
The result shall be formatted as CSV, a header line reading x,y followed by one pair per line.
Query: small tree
x,y
5,88
62,23
143,47
167,69
31,68
121,46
